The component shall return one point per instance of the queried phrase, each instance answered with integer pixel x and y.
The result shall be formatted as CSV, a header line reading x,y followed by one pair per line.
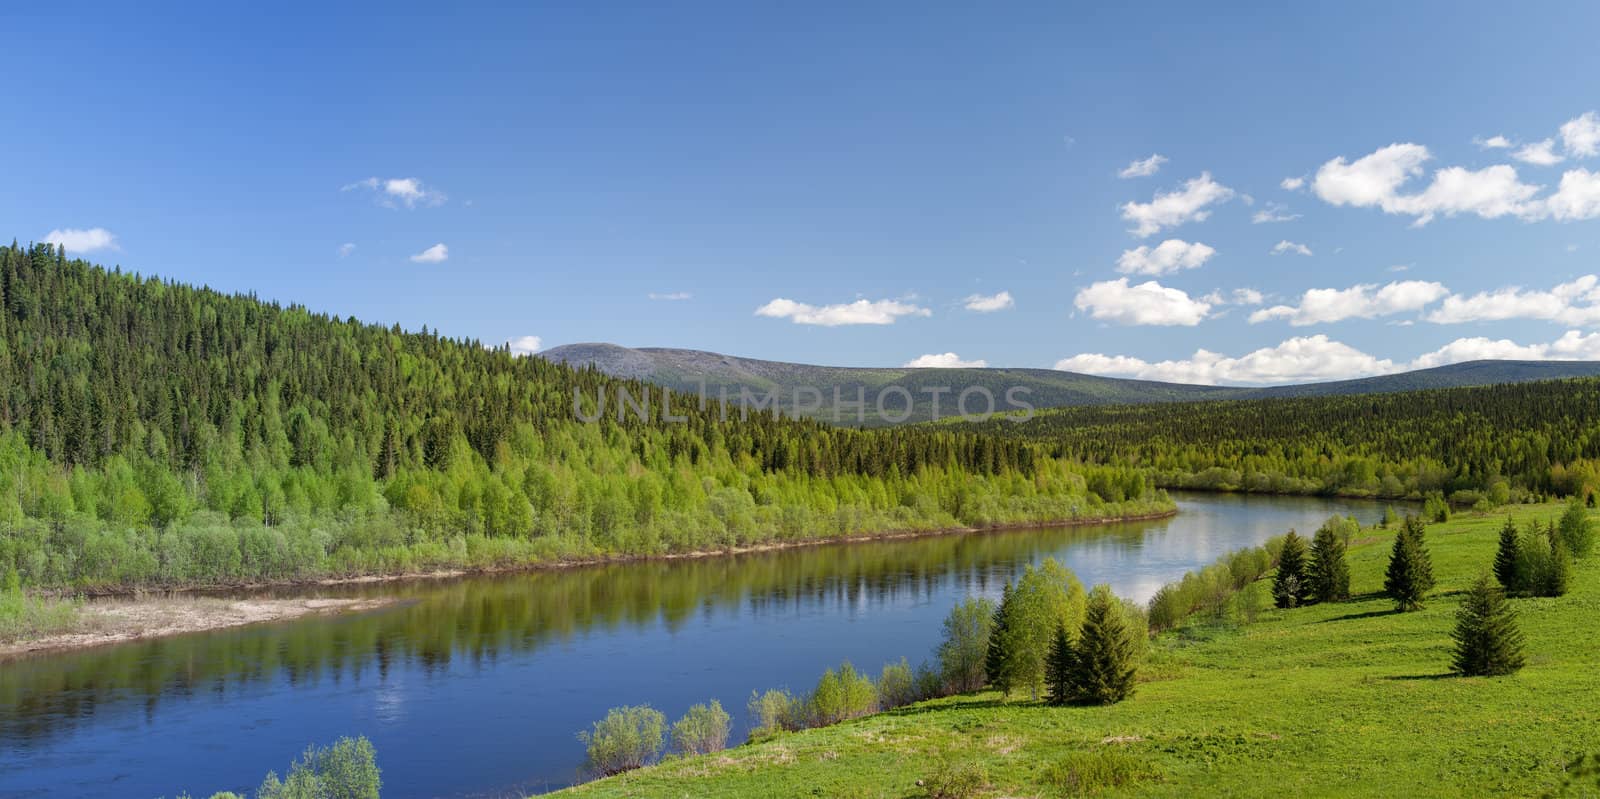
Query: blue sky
x,y
833,185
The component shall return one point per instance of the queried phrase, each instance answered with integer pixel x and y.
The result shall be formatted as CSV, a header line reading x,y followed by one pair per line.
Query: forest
x,y
154,433
1492,444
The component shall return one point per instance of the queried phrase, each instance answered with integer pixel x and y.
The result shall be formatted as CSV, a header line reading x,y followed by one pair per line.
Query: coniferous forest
x,y
153,433
1494,444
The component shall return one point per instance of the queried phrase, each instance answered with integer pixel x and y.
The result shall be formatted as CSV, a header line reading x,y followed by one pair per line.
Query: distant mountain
x,y
691,371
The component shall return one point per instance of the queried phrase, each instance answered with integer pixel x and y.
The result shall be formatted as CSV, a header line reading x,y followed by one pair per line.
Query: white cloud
x,y
1272,212
1170,209
75,240
1171,255
1581,136
1143,168
1299,360
1539,153
346,248
1573,303
944,360
860,312
524,345
1577,198
394,192
1492,143
1286,246
1293,184
438,253
1296,360
1148,303
671,296
989,303
1373,179
1247,297
1357,302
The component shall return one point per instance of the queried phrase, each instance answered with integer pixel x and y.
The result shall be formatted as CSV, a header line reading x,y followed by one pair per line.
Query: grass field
x,y
1346,699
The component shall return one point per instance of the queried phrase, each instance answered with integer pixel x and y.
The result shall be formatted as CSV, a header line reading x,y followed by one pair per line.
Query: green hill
x,y
716,375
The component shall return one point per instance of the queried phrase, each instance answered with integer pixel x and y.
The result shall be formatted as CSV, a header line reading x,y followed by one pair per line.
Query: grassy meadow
x,y
1342,699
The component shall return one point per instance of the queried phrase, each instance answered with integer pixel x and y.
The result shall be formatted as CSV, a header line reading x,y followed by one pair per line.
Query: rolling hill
x,y
689,370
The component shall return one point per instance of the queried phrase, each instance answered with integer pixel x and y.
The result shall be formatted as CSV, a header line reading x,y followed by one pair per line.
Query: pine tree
x,y
1559,576
994,663
1329,573
1058,676
1410,574
1507,560
1290,588
1103,661
1488,642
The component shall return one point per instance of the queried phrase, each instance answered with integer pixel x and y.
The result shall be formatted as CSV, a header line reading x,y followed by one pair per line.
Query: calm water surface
x,y
476,687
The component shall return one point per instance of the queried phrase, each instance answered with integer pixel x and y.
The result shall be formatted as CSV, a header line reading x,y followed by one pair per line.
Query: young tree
x,y
702,730
627,738
1488,642
964,650
994,660
1290,588
1043,599
1410,574
1508,560
1059,679
1105,658
1559,576
1576,530
1329,573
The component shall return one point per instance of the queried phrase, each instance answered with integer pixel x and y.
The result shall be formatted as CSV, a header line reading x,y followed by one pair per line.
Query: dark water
x,y
476,687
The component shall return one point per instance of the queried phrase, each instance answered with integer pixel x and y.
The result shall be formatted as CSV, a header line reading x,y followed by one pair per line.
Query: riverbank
x,y
1340,699
119,615
106,622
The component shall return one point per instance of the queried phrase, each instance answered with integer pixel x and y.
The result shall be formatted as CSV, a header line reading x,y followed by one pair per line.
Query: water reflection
x,y
478,685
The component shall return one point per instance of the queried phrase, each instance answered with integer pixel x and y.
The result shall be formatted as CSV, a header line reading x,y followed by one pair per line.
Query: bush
x,y
702,730
773,712
1084,773
842,694
346,770
897,686
956,780
627,738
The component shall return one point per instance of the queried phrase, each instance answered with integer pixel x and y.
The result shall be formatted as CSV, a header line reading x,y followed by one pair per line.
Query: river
x,y
477,686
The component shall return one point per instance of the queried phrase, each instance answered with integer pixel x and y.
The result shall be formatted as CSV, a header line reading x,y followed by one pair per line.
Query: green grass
x,y
1345,699
24,617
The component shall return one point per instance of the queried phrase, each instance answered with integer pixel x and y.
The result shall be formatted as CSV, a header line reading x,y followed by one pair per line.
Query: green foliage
x,y
346,770
1410,574
1291,586
956,779
1576,529
897,686
1210,591
1044,598
965,646
703,729
627,738
995,670
1104,661
1435,508
775,711
1508,560
1329,574
842,694
1098,770
1059,667
1488,642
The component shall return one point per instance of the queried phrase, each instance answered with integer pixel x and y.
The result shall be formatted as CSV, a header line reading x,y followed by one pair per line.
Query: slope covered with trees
x,y
1496,443
157,433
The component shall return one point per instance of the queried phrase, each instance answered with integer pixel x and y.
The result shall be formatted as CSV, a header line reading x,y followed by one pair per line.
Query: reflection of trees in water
x,y
478,620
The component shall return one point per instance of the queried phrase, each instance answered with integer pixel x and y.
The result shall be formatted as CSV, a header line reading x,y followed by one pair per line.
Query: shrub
x,y
627,738
773,712
897,686
842,694
346,770
956,780
966,643
1084,773
703,729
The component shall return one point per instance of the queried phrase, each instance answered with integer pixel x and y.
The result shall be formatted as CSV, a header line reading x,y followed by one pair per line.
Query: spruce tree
x,y
994,662
1488,642
1103,661
1508,560
1410,572
1290,588
1329,573
1058,674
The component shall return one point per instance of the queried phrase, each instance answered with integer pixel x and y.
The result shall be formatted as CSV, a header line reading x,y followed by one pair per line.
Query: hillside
x,y
687,370
1336,699
153,433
